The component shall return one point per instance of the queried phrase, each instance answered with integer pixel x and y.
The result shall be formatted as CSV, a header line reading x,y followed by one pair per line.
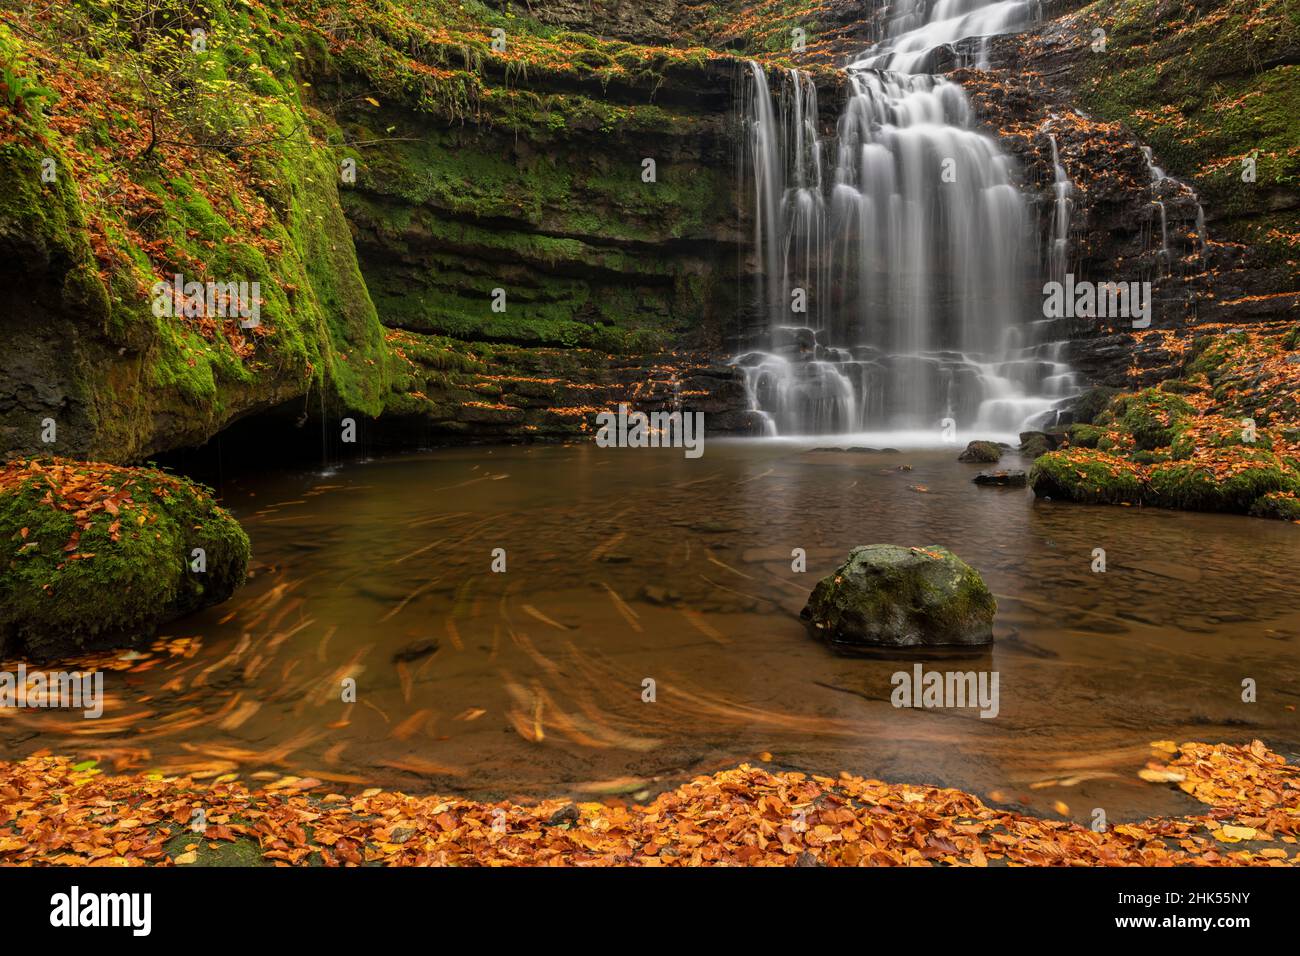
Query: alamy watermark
x,y
74,909
72,690
629,429
229,300
1098,300
958,689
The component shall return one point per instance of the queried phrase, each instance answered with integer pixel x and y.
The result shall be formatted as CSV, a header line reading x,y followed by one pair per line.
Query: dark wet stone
x,y
1002,479
887,595
566,814
415,650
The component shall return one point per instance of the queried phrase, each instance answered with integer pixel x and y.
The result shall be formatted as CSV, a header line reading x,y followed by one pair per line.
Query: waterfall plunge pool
x,y
624,565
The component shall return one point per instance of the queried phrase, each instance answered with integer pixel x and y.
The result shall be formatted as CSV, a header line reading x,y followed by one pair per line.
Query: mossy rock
x,y
1151,417
1149,457
241,852
1233,479
887,595
1229,434
985,452
1092,403
1277,504
97,555
1086,436
1086,476
1033,444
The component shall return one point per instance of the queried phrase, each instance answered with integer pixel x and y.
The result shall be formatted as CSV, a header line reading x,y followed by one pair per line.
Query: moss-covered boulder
x,y
1086,436
1033,444
1087,406
1151,416
887,595
1231,478
96,555
985,452
1087,475
1277,504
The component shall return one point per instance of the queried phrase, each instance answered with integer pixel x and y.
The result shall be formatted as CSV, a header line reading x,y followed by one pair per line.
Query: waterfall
x,y
894,266
1058,252
1159,176
912,36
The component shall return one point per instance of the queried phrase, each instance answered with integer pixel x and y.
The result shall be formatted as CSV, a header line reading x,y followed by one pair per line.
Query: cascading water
x,y
1159,176
1058,252
913,34
897,275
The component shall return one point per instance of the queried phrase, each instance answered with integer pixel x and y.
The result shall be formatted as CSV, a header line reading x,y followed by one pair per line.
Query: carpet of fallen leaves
x,y
55,812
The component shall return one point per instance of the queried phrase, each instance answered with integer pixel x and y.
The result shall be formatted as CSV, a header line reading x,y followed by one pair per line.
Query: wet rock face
x,y
643,21
889,596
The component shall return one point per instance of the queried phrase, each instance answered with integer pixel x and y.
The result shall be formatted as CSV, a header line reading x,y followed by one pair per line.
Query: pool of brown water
x,y
628,565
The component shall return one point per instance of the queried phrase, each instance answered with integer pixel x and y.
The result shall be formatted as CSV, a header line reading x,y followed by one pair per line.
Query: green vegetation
x,y
1209,89
1222,437
97,554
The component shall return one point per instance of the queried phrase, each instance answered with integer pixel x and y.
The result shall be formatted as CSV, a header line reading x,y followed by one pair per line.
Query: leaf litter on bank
x,y
55,811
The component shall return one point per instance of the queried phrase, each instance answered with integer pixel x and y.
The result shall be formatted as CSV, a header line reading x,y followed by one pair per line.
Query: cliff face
x,y
1210,88
382,170
543,251
143,144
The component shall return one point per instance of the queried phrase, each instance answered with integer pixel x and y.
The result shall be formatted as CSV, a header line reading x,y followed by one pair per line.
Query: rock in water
x,y
1002,479
982,451
1034,444
101,555
886,595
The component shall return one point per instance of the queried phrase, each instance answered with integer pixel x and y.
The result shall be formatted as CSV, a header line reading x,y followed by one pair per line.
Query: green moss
x,y
118,572
268,215
1151,416
981,451
244,851
1256,473
1087,477
1277,504
1086,436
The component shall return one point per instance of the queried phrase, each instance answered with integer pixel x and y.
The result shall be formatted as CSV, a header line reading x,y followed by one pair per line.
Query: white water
x,y
895,265
912,36
1159,176
1058,252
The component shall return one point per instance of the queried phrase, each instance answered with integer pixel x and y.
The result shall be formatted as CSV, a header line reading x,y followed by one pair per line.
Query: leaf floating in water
x,y
533,612
1160,775
412,724
612,788
628,614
